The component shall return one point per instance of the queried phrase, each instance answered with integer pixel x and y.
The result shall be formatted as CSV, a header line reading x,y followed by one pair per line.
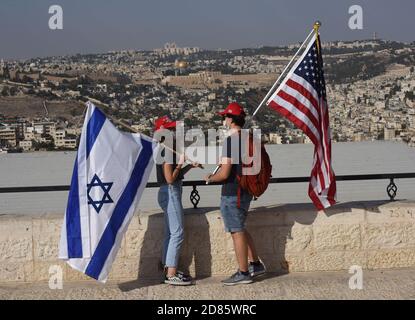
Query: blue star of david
x,y
98,204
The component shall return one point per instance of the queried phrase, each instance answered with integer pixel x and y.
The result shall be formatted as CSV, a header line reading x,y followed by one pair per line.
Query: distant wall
x,y
290,238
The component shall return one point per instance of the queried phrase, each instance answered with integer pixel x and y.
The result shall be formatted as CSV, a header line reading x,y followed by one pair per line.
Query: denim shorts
x,y
233,217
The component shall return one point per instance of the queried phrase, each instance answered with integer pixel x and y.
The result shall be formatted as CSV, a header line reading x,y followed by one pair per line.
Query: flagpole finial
x,y
316,27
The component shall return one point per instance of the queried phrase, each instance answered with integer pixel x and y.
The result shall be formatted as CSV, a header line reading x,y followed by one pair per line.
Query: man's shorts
x,y
233,217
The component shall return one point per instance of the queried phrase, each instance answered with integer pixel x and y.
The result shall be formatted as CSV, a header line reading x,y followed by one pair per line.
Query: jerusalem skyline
x,y
94,27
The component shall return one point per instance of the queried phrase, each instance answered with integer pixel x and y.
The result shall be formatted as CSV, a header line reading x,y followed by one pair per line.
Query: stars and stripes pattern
x,y
301,98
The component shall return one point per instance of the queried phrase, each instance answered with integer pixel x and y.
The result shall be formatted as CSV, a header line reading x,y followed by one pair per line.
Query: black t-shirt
x,y
161,179
232,149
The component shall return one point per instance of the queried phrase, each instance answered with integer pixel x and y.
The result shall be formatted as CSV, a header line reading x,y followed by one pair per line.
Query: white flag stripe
x,y
303,100
304,83
111,170
124,147
299,114
124,227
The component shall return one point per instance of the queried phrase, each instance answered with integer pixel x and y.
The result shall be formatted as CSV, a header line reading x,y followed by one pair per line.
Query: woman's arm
x,y
171,172
193,165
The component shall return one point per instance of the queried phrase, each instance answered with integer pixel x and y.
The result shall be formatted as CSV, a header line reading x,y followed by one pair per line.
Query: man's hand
x,y
207,178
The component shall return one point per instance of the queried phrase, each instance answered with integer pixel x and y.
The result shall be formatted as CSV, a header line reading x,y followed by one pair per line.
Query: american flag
x,y
301,98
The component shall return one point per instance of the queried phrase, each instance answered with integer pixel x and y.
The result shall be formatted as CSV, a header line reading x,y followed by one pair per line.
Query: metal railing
x,y
391,189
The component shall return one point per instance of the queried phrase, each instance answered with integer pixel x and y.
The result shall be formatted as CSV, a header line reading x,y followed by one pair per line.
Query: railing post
x,y
194,197
391,190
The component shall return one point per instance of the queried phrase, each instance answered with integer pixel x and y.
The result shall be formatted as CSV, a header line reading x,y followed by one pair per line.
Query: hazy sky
x,y
103,25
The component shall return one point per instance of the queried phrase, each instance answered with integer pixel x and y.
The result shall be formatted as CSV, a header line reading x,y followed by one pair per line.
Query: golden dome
x,y
181,64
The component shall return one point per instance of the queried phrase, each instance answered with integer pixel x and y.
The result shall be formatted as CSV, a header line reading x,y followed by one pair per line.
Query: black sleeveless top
x,y
159,168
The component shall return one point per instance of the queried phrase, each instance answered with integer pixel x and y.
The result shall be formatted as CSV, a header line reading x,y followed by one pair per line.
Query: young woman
x,y
170,175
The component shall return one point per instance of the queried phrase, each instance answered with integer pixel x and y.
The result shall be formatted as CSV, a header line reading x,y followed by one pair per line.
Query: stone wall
x,y
290,238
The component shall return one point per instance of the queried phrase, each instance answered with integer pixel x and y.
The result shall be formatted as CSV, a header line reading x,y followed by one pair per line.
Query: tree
x,y
409,95
26,79
13,91
5,92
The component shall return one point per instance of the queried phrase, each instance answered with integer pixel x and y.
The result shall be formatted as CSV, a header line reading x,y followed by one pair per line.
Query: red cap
x,y
234,109
164,123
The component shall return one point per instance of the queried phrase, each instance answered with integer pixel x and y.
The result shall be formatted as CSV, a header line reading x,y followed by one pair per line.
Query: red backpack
x,y
257,183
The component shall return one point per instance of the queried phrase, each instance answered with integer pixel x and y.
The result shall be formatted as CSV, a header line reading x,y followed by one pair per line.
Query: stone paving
x,y
377,284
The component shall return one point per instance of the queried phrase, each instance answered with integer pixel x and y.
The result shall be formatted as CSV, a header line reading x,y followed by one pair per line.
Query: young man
x,y
234,216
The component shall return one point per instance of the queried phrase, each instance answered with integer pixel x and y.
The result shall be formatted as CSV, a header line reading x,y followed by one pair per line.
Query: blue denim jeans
x,y
170,200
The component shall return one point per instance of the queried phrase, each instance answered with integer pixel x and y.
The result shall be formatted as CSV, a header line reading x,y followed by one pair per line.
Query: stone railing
x,y
290,238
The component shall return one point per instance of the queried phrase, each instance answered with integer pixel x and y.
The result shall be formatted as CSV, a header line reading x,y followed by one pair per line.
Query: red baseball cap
x,y
164,123
234,109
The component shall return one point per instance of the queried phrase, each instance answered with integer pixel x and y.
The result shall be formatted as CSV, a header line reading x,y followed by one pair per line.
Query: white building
x,y
275,138
26,145
389,133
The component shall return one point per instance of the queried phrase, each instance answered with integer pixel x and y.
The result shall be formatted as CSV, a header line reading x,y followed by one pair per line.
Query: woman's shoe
x,y
179,279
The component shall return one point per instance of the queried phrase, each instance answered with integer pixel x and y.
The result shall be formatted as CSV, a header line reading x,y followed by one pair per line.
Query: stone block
x,y
15,226
12,272
125,269
39,271
289,238
337,237
47,223
133,243
392,258
333,260
16,249
388,235
46,246
387,212
297,238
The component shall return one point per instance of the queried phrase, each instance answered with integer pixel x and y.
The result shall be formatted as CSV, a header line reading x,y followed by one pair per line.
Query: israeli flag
x,y
111,171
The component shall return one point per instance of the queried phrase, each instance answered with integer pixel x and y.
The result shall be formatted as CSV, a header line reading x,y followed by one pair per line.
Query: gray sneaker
x,y
256,270
237,278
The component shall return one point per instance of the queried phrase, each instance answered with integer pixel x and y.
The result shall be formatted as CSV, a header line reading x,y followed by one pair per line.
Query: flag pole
x,y
317,23
285,69
156,141
136,131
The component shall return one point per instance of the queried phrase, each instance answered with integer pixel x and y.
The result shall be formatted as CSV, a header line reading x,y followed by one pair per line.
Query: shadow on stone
x,y
273,229
281,233
195,257
149,270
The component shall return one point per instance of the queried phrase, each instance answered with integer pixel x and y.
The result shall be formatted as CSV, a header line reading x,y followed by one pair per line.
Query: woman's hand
x,y
196,165
182,159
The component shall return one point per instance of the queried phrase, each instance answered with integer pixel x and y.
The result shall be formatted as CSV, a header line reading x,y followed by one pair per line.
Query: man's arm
x,y
223,173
